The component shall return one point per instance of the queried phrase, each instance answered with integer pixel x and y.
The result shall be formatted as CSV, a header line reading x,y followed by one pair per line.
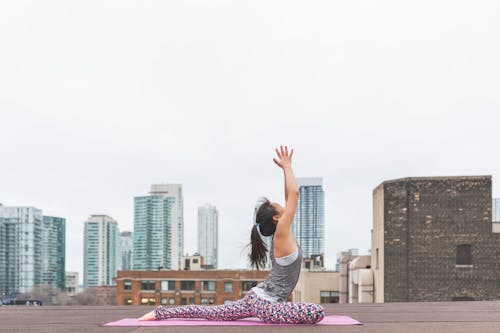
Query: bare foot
x,y
148,316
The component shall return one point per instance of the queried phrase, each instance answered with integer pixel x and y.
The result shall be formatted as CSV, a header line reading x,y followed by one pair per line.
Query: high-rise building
x,y
100,251
308,225
495,211
126,244
432,240
208,234
20,249
53,251
159,228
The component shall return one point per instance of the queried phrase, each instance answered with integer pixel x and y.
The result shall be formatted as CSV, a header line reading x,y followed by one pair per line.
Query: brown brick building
x,y
169,287
433,240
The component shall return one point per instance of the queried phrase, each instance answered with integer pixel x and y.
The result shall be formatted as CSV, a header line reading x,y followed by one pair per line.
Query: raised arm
x,y
284,242
284,161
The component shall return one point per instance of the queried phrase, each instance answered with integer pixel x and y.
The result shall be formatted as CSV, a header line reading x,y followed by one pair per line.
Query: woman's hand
x,y
284,159
148,316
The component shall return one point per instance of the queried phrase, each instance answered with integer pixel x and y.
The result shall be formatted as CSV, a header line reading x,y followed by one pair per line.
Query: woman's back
x,y
282,278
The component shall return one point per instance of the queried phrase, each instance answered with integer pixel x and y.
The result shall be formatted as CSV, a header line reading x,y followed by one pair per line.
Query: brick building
x,y
433,240
169,287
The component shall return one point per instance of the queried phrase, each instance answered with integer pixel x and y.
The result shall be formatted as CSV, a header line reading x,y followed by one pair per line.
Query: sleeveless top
x,y
281,280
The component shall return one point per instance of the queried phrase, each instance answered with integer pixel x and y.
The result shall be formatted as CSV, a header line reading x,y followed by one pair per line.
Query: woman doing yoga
x,y
268,300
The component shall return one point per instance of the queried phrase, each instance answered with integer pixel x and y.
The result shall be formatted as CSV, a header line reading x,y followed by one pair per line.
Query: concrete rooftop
x,y
456,317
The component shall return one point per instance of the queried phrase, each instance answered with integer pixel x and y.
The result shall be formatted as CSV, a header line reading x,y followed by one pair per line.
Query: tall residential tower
x,y
308,225
126,244
159,228
208,234
53,251
100,252
20,249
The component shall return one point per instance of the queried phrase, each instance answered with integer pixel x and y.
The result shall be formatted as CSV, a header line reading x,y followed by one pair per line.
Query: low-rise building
x,y
317,286
180,287
72,283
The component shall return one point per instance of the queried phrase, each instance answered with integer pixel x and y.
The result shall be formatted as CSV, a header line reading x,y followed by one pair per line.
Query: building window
x,y
208,301
228,287
147,285
208,285
227,301
195,261
171,301
127,285
167,285
464,255
186,301
127,301
187,285
329,296
151,301
144,301
247,285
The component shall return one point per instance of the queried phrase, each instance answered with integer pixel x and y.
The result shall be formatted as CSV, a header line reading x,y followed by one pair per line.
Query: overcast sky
x,y
100,99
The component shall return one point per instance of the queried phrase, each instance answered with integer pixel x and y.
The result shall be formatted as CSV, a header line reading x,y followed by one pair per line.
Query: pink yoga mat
x,y
328,320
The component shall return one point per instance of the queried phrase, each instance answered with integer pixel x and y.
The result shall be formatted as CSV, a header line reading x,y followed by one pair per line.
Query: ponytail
x,y
258,251
263,226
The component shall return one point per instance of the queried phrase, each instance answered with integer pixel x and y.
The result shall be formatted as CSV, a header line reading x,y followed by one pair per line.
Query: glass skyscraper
x,y
53,251
126,244
20,249
100,251
308,225
159,228
208,234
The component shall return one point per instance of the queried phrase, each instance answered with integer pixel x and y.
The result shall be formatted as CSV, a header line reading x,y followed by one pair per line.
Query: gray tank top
x,y
281,280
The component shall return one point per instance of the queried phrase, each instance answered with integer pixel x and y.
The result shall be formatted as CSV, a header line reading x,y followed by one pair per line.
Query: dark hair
x,y
265,226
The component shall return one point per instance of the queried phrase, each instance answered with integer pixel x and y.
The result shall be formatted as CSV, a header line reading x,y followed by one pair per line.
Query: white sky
x,y
100,99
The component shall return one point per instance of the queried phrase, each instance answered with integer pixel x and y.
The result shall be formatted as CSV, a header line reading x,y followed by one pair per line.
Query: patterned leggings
x,y
249,306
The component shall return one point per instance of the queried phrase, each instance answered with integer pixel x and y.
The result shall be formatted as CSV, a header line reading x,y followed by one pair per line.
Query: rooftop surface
x,y
456,317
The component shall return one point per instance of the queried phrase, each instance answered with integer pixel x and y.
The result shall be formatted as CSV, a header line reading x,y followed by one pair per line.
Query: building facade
x,y
53,251
308,225
72,286
126,245
159,228
20,249
181,287
208,234
343,254
317,287
101,251
432,240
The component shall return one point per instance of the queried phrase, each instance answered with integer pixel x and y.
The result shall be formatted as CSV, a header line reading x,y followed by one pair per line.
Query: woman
x,y
267,300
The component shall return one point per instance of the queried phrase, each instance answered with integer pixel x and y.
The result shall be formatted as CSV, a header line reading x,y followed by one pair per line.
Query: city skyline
x,y
98,102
